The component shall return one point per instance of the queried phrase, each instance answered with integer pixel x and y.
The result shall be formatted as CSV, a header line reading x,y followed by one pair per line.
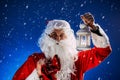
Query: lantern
x,y
83,38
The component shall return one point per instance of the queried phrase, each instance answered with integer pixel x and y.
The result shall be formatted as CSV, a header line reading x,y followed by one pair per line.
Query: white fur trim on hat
x,y
56,24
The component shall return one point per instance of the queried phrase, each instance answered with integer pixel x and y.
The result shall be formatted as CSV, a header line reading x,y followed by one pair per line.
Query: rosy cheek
x,y
64,37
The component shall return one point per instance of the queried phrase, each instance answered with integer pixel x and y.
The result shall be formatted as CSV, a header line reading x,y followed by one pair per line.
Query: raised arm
x,y
99,37
93,57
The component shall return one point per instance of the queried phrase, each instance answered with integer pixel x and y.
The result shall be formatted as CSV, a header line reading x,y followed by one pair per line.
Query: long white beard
x,y
66,51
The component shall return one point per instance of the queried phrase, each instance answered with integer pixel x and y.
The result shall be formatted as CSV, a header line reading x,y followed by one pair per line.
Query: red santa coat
x,y
86,60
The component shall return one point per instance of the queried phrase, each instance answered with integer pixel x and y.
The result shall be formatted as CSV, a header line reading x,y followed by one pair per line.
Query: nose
x,y
58,38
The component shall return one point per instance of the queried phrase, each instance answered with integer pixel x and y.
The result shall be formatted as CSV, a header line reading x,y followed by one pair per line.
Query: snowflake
x,y
26,6
118,49
3,57
0,61
30,38
101,1
24,23
22,46
17,65
106,30
78,14
6,5
7,62
84,2
81,5
77,25
45,18
41,17
8,78
8,34
62,9
6,18
33,21
103,17
108,62
10,31
90,1
112,6
29,19
69,21
25,34
16,49
3,13
10,55
99,78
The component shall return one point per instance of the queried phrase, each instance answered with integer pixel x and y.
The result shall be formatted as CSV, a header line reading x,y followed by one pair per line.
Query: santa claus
x,y
59,59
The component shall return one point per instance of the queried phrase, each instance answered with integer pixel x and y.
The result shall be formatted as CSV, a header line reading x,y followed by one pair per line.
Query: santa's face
x,y
61,46
58,39
58,35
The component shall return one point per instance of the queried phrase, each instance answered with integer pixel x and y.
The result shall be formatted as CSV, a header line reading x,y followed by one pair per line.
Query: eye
x,y
61,35
53,34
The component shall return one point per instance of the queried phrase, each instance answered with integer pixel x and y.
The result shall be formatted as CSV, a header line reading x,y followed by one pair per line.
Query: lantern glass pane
x,y
83,41
88,40
78,41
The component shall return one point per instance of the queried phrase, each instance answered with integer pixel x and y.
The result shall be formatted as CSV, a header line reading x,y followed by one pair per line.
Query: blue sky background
x,y
23,21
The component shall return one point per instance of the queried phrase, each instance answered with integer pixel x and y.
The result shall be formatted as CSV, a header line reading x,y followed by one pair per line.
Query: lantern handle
x,y
82,25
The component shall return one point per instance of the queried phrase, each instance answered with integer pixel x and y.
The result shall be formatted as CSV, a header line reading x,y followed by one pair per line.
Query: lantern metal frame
x,y
83,38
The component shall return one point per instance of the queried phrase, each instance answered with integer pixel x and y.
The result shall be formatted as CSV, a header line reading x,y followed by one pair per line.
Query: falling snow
x,y
112,6
30,38
26,6
22,22
16,49
106,30
82,5
103,17
45,18
6,5
25,35
85,2
99,78
118,49
33,21
5,18
90,1
10,55
0,61
9,33
3,57
62,9
108,62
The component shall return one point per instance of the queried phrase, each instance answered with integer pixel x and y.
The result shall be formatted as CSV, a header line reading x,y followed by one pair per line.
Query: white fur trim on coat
x,y
100,41
33,76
